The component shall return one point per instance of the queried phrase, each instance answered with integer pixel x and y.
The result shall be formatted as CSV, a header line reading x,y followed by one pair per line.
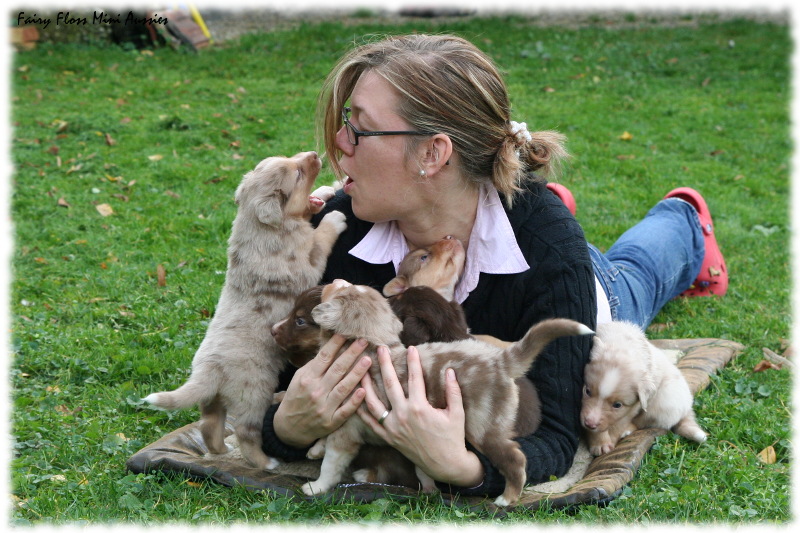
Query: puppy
x,y
422,297
273,255
630,384
486,375
297,334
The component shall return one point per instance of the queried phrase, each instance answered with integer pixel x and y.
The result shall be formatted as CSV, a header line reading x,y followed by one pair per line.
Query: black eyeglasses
x,y
353,134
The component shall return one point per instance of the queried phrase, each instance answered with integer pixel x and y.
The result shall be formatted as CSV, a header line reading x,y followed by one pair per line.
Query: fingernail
x,y
361,342
450,374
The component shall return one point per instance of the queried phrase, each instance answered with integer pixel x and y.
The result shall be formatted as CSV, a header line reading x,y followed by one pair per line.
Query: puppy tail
x,y
521,355
193,392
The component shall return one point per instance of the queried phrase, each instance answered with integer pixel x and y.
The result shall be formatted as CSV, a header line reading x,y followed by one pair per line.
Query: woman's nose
x,y
342,141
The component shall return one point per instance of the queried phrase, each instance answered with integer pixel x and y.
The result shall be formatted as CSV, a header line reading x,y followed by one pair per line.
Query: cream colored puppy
x,y
273,255
630,384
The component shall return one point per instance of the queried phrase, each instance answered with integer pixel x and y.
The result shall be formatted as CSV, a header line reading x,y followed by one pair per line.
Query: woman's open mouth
x,y
348,184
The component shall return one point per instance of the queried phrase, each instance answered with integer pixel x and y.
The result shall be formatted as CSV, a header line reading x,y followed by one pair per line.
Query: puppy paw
x,y
363,475
317,451
313,488
427,482
502,501
336,220
272,464
324,193
601,449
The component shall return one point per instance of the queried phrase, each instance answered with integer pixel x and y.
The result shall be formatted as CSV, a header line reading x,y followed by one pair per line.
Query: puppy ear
x,y
270,211
597,348
396,286
647,389
328,314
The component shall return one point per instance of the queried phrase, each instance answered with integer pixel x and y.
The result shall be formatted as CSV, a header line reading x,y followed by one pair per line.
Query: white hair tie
x,y
519,130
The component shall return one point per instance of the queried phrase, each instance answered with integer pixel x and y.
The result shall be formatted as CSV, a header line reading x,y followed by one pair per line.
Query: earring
x,y
422,173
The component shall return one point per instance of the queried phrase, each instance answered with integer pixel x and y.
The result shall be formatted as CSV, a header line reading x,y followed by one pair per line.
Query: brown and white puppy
x,y
297,333
630,384
273,255
486,375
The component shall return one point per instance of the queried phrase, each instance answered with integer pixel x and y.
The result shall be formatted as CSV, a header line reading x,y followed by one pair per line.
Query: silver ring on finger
x,y
383,417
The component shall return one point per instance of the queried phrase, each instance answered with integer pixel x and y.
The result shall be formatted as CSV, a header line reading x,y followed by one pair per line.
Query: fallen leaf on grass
x,y
777,361
155,157
626,136
63,203
625,157
767,455
172,194
110,140
765,365
161,274
104,209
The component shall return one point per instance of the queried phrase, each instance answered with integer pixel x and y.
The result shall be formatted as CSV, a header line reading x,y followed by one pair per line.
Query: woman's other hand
x,y
323,393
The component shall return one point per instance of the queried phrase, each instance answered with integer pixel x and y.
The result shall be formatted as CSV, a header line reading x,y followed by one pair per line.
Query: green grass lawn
x,y
125,164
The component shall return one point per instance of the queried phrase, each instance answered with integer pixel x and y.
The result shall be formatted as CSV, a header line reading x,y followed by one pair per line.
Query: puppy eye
x,y
587,392
299,322
617,405
424,258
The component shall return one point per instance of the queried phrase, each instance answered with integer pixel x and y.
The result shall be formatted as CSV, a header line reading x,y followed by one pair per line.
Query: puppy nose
x,y
589,424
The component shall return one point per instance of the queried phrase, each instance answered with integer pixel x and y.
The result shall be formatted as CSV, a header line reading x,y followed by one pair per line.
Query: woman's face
x,y
380,181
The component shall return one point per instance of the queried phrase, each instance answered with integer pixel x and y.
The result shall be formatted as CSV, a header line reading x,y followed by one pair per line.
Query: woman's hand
x,y
322,393
433,439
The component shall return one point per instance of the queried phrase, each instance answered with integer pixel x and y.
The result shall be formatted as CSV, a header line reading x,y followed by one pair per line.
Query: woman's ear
x,y
438,151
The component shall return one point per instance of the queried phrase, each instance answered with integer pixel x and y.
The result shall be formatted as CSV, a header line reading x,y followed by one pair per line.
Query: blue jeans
x,y
651,263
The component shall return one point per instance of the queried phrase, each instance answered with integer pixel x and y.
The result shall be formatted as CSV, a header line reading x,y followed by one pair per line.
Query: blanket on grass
x,y
591,480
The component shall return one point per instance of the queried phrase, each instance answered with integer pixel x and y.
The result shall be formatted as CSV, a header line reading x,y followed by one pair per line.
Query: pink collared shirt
x,y
492,248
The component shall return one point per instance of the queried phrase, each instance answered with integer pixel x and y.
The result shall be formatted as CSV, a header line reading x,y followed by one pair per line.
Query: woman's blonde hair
x,y
447,85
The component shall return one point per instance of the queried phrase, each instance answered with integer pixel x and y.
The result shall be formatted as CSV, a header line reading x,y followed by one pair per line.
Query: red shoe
x,y
565,196
713,277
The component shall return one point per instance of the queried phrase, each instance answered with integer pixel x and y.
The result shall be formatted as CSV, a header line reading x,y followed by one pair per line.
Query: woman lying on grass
x,y
419,130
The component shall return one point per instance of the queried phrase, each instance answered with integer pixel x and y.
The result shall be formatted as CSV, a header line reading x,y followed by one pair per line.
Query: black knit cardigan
x,y
559,283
